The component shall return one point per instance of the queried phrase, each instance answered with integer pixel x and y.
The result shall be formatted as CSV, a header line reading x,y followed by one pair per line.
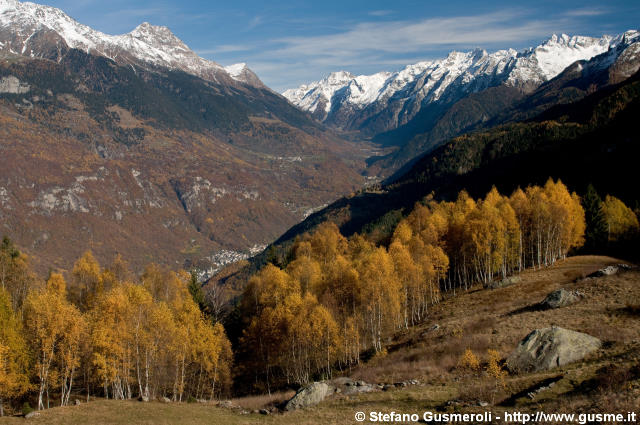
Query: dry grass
x,y
258,402
498,319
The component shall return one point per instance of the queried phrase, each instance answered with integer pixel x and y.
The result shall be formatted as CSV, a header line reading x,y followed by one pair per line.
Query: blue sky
x,y
292,42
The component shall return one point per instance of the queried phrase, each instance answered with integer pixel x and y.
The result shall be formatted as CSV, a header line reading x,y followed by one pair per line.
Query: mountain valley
x,y
179,243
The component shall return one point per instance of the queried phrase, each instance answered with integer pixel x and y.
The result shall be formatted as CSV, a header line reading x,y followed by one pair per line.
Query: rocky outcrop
x,y
348,386
507,281
561,298
610,270
547,348
309,395
11,84
314,393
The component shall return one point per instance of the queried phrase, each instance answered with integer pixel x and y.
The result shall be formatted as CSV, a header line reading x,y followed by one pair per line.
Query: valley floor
x,y
479,319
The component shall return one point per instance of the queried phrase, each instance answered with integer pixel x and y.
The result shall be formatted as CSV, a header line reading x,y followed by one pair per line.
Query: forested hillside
x,y
113,334
593,141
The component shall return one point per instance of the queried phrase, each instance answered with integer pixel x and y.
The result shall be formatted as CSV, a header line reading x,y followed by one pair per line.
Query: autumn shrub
x,y
468,361
496,373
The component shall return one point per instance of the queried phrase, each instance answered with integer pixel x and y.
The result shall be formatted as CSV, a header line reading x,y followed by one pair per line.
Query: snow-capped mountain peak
x,y
21,24
156,36
341,96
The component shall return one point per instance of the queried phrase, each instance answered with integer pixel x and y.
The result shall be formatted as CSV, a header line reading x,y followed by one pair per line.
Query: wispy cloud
x,y
255,22
380,12
225,48
587,12
421,35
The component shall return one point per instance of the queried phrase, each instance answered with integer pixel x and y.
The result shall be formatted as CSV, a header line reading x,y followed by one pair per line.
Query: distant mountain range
x,y
134,144
426,103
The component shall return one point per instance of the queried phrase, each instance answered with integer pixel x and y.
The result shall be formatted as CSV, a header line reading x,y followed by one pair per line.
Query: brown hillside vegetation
x,y
479,320
83,168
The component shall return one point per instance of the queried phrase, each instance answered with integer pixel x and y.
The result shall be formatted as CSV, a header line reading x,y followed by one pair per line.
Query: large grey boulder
x,y
561,298
310,395
547,348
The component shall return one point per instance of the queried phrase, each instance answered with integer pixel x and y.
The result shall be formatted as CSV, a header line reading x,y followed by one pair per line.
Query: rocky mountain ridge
x,y
386,100
40,31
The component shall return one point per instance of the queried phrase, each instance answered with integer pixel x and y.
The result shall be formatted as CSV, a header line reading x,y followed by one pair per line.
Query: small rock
x,y
483,404
361,384
165,399
264,412
226,404
387,387
507,281
77,402
143,398
32,415
607,271
561,298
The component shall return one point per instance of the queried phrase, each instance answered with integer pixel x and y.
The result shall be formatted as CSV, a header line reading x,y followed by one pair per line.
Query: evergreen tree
x,y
596,233
195,289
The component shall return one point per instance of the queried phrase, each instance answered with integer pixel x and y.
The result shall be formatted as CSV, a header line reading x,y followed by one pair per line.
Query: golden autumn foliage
x,y
111,334
14,359
494,369
366,291
122,340
621,220
469,361
54,328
